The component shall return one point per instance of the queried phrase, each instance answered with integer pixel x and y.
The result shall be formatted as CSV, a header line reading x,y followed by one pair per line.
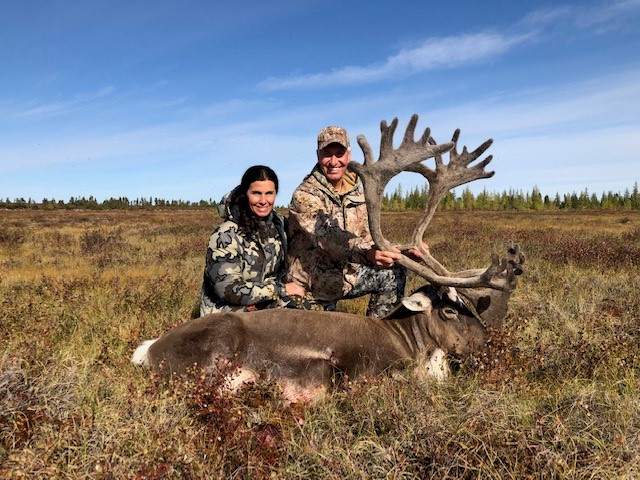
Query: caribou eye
x,y
449,313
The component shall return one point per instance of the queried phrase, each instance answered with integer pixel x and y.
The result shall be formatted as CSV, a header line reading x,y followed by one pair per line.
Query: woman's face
x,y
261,196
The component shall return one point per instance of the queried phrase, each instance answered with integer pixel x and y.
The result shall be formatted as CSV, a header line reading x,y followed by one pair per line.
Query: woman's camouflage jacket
x,y
243,271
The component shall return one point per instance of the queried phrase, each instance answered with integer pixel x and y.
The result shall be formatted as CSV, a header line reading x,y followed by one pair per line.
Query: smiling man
x,y
331,253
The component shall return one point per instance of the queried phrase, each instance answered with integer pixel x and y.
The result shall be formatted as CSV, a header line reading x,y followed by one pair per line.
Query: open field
x,y
558,398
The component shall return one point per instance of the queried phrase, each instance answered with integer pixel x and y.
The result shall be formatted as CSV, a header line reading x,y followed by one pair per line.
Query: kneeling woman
x,y
246,258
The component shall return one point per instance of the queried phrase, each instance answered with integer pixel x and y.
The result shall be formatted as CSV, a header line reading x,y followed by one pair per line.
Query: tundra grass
x,y
555,397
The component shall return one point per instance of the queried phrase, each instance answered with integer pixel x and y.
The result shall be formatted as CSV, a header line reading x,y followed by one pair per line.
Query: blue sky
x,y
175,99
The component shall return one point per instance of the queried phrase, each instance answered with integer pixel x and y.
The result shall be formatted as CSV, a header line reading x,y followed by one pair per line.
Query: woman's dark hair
x,y
248,223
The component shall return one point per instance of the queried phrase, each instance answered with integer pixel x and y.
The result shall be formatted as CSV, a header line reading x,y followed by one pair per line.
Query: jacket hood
x,y
228,211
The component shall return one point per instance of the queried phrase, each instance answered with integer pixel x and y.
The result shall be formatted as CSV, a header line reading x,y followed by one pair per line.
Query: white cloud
x,y
57,108
447,52
546,16
609,13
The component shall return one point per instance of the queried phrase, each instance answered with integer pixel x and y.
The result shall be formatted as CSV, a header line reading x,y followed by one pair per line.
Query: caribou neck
x,y
410,330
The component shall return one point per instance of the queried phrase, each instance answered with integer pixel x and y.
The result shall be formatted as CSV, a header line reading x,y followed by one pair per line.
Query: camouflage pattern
x,y
329,135
384,285
328,240
306,302
240,271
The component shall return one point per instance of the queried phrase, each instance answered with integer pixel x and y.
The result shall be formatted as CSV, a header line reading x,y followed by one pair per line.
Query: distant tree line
x,y
398,200
513,200
112,203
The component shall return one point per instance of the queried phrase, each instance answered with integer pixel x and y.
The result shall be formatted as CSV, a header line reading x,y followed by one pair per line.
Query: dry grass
x,y
556,398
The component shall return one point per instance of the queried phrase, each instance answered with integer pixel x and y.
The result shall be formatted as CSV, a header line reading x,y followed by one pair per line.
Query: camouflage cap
x,y
329,135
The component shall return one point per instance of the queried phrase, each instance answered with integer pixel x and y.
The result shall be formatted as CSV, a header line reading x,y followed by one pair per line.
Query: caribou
x,y
306,351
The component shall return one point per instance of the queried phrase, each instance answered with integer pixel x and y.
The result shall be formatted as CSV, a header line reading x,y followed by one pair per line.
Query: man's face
x,y
333,160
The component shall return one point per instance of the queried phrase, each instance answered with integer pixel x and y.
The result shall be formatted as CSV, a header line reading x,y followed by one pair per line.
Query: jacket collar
x,y
350,181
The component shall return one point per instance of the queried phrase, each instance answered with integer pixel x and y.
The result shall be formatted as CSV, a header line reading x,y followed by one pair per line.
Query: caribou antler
x,y
375,176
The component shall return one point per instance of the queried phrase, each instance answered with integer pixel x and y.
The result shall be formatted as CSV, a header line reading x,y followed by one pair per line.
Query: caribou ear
x,y
418,302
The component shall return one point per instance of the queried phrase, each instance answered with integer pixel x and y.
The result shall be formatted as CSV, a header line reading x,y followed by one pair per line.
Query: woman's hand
x,y
293,288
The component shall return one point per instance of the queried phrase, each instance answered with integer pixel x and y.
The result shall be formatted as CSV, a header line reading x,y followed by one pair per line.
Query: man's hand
x,y
383,258
386,259
414,253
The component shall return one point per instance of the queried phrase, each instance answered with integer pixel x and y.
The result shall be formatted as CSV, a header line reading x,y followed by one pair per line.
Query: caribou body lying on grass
x,y
304,351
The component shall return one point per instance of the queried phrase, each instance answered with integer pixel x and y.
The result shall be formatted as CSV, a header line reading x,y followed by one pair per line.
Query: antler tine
x,y
426,136
438,158
409,132
386,136
455,137
366,151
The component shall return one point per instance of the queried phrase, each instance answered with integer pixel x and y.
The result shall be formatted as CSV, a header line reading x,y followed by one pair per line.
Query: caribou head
x,y
304,350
